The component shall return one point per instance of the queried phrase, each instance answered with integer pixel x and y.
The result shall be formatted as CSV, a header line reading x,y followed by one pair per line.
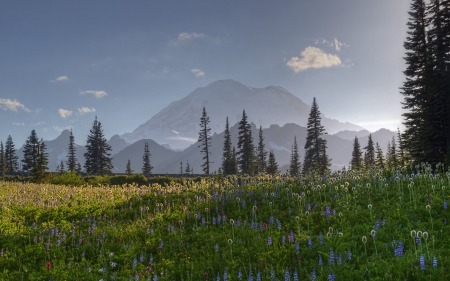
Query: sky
x,y
63,62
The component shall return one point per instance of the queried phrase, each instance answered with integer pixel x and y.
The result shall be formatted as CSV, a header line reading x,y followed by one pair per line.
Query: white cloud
x,y
13,105
313,57
191,140
85,110
186,36
64,113
338,45
197,72
97,94
19,124
392,124
39,123
60,79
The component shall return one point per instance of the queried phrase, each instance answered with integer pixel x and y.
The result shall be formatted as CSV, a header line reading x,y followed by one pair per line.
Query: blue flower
x,y
422,262
320,261
240,274
258,276
383,222
445,205
272,274
310,243
349,256
269,241
283,240
313,275
377,225
295,275
399,251
297,248
287,275
321,238
331,256
331,276
435,263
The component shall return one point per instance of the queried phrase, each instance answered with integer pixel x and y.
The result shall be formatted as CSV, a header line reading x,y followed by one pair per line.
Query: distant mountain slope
x,y
350,135
279,139
177,124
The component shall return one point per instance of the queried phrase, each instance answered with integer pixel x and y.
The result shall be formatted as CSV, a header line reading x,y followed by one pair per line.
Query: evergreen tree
x,y
188,169
357,160
227,157
30,152
316,158
234,162
128,170
147,167
204,138
2,159
181,167
40,168
369,155
12,160
402,156
379,160
388,156
393,154
245,146
71,158
272,166
98,156
295,166
261,153
61,167
78,169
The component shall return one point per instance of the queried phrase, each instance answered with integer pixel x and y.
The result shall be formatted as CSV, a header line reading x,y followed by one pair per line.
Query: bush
x,y
134,179
67,178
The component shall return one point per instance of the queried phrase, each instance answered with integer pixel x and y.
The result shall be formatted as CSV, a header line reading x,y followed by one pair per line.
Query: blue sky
x,y
62,62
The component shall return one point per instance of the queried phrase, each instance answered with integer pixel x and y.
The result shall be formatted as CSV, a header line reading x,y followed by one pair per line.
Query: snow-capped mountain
x,y
178,123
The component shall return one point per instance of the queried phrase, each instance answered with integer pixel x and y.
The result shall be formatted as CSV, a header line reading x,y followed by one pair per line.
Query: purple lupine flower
x,y
218,277
203,222
445,205
272,274
155,277
216,248
435,263
225,275
422,262
283,240
327,212
279,224
297,248
418,241
250,275
383,222
239,274
258,275
134,262
287,275
377,225
161,244
295,275
320,261
269,241
310,243
313,275
141,258
271,219
331,256
339,259
321,238
399,251
291,237
349,256
331,276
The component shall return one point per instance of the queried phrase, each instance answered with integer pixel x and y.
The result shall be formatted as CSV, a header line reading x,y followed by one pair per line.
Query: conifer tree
x,y
357,160
204,138
388,156
402,156
40,168
261,153
30,152
147,167
379,160
61,167
295,166
128,170
245,146
272,166
78,169
316,158
227,157
71,158
393,154
2,159
234,162
369,155
181,167
11,158
98,156
188,169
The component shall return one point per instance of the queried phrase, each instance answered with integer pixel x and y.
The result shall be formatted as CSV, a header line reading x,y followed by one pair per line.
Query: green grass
x,y
173,231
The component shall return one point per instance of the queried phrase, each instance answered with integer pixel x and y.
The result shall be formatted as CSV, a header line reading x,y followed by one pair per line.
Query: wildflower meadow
x,y
372,225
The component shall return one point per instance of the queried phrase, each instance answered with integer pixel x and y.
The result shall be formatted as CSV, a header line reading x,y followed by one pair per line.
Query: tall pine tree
x,y
379,158
40,168
146,167
30,150
245,146
12,160
98,156
261,153
295,166
316,158
357,160
71,158
128,170
272,166
204,138
369,153
227,157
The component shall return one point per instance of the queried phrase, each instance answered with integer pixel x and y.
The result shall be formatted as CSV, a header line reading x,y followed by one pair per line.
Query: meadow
x,y
372,225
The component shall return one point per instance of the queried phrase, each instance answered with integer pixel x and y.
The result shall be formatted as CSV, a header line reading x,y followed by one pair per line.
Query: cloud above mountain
x,y
313,57
13,105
